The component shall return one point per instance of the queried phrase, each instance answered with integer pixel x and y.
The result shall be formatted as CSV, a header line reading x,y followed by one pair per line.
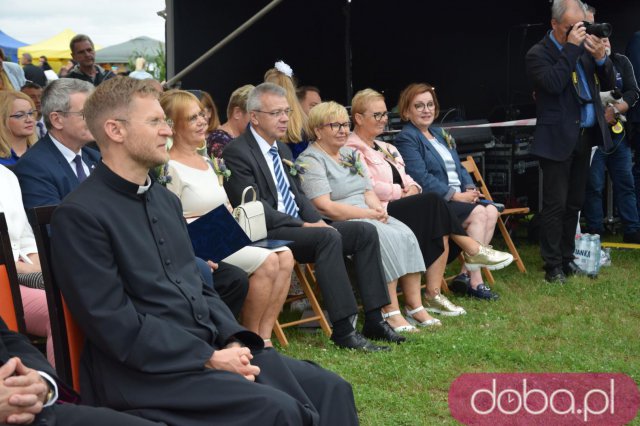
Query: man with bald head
x,y
568,69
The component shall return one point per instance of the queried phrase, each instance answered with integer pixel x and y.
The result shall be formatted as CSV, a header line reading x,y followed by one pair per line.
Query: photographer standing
x,y
568,68
618,161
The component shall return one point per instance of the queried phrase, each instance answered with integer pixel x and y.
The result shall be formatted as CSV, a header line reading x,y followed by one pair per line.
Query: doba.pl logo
x,y
536,399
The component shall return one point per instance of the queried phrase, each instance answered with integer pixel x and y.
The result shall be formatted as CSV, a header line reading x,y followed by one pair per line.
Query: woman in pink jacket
x,y
427,215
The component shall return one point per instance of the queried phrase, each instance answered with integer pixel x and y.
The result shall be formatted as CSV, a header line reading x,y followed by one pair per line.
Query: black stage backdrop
x,y
471,51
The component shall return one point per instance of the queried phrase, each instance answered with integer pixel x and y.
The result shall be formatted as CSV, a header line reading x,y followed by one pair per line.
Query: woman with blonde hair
x,y
236,124
338,185
17,133
282,75
195,180
426,213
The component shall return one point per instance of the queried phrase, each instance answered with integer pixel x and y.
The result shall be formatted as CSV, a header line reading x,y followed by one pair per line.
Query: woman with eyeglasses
x,y
431,159
337,183
17,132
427,214
236,124
193,178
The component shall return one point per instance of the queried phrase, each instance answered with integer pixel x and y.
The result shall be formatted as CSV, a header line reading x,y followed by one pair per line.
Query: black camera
x,y
602,30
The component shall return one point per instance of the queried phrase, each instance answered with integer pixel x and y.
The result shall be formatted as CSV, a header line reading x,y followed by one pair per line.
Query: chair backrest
x,y
10,300
473,170
68,339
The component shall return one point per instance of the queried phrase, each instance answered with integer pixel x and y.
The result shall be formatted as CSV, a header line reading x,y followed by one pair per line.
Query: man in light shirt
x,y
60,161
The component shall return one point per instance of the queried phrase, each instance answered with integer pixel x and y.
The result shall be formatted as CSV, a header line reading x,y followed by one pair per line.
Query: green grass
x,y
583,326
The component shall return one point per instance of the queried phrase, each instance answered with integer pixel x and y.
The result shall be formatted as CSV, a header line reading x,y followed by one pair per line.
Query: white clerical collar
x,y
262,143
145,188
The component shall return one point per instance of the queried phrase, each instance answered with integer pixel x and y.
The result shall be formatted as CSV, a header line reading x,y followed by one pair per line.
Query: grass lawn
x,y
583,326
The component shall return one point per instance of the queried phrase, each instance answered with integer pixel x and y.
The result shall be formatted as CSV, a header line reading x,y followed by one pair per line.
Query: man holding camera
x,y
568,69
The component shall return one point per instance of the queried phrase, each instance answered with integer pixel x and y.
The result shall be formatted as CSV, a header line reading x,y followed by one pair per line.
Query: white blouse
x,y
22,239
198,190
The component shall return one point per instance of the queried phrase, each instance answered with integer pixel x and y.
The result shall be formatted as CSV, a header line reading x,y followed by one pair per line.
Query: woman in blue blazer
x,y
432,161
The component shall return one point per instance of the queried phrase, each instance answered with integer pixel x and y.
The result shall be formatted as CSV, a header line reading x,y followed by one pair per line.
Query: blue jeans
x,y
618,163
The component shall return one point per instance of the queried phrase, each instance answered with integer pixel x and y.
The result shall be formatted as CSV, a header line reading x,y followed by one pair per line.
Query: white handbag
x,y
250,216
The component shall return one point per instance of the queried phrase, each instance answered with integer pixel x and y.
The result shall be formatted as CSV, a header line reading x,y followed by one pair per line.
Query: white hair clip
x,y
284,68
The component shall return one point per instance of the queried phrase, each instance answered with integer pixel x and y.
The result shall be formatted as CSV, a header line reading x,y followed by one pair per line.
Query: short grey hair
x,y
559,8
254,101
56,95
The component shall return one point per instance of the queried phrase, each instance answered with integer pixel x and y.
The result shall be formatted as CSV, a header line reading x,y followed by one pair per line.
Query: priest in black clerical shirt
x,y
158,343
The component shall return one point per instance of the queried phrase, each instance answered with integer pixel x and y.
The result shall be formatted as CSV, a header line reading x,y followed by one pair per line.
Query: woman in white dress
x,y
193,179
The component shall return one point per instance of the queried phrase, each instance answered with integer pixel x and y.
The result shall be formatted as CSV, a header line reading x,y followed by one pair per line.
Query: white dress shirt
x,y
264,148
70,156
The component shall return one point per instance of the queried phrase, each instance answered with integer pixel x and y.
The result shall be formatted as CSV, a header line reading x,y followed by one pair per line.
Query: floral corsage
x,y
162,174
450,140
390,155
352,161
220,169
295,169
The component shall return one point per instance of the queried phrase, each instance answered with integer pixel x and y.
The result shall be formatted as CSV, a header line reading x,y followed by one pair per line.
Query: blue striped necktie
x,y
290,206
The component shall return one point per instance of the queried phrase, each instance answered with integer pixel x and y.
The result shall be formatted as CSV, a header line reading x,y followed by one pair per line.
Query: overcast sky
x,y
107,22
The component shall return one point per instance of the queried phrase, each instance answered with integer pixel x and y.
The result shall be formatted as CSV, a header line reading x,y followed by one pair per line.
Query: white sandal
x,y
400,329
433,322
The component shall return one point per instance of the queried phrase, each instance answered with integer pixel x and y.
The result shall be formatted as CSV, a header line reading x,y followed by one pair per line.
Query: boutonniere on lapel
x,y
220,169
391,156
450,140
162,174
295,168
352,162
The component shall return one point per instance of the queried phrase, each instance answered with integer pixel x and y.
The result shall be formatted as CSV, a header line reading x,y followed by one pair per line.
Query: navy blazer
x,y
557,103
249,168
425,165
45,175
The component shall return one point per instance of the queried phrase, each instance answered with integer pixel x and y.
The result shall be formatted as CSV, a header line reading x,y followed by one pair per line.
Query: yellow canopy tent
x,y
56,49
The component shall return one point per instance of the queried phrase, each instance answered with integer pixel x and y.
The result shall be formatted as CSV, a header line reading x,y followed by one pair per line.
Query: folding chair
x,y
10,300
308,283
472,168
68,339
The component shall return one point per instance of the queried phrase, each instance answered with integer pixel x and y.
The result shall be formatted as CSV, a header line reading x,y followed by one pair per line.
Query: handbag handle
x,y
244,193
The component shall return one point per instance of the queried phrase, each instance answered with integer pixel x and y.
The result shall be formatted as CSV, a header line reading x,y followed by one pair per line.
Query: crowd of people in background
x,y
102,147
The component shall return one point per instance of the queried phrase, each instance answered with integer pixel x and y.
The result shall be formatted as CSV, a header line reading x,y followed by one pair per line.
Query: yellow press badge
x,y
617,128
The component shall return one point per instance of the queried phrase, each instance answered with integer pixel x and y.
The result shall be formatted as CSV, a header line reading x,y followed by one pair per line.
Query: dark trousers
x,y
286,392
231,283
618,163
83,415
326,247
563,191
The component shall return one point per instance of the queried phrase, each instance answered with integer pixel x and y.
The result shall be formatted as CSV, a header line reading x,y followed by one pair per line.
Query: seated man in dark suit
x,y
257,159
158,343
59,162
29,389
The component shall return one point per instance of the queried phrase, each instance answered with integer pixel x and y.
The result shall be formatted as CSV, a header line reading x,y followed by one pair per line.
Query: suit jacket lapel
x,y
262,163
88,160
431,149
64,165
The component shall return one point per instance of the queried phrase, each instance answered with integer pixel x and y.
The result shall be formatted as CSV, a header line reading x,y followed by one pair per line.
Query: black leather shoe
x,y
632,238
570,269
355,340
460,284
381,331
555,275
